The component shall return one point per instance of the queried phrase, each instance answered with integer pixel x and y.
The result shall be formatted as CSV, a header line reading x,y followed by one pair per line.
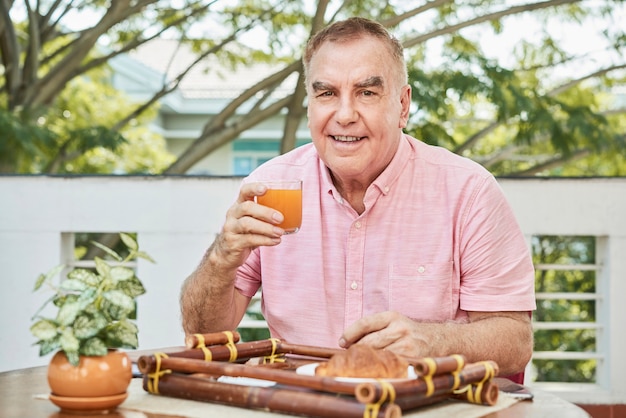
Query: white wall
x,y
177,217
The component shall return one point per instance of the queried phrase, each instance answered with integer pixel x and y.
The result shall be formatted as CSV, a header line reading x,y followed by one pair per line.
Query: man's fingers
x,y
364,330
250,190
247,206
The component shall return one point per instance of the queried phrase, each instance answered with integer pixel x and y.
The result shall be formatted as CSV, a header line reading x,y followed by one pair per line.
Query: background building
x,y
201,95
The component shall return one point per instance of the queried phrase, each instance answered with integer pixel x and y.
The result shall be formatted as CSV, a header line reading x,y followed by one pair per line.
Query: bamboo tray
x,y
198,373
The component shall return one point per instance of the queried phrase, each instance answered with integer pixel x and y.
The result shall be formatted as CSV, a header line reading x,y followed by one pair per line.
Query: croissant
x,y
364,361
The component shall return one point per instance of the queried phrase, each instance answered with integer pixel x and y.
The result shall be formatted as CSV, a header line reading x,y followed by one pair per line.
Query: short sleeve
x,y
248,279
496,268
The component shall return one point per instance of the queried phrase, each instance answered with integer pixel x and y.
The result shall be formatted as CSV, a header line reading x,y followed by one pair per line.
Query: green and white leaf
x,y
87,326
44,329
119,274
103,268
108,250
129,241
122,334
68,341
86,276
119,303
45,277
94,347
48,346
132,287
60,299
73,285
68,312
73,357
145,256
87,297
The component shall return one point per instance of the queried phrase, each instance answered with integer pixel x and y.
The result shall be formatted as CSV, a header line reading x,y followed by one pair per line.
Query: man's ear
x,y
405,102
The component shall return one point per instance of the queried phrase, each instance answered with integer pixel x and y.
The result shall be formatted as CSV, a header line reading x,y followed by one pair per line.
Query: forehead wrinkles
x,y
374,65
388,60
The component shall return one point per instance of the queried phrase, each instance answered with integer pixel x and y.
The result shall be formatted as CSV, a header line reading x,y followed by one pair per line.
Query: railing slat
x,y
566,325
567,295
567,355
567,267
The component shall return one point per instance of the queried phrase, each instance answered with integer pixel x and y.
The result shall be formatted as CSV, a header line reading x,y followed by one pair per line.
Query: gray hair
x,y
354,28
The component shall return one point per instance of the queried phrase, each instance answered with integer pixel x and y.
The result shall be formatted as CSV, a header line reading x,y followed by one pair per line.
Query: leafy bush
x,y
95,307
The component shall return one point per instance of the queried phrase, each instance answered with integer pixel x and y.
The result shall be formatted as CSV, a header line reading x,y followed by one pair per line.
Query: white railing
x,y
177,218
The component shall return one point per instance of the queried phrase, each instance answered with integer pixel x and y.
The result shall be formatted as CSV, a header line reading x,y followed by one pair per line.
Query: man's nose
x,y
346,111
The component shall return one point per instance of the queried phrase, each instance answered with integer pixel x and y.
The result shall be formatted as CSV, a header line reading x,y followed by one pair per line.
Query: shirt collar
x,y
389,176
386,179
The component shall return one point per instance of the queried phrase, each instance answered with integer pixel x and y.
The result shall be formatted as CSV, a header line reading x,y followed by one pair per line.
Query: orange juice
x,y
287,202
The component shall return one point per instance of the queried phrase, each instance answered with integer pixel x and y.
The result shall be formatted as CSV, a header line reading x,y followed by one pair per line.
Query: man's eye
x,y
367,93
325,94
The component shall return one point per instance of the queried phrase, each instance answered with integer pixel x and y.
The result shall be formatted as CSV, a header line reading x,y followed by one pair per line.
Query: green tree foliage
x,y
82,121
526,117
75,135
565,251
514,123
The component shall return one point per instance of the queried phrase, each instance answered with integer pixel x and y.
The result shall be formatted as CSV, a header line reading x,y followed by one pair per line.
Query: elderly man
x,y
403,246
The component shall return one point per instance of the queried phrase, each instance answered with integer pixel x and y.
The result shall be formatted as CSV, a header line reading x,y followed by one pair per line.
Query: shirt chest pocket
x,y
423,291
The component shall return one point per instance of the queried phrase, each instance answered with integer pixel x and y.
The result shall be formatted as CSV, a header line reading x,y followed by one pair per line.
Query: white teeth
x,y
347,138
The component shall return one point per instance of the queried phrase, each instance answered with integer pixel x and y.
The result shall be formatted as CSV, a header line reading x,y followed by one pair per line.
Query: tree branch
x,y
595,74
231,108
173,85
31,62
296,109
10,55
55,80
408,43
556,162
414,12
204,145
473,139
46,27
137,41
469,142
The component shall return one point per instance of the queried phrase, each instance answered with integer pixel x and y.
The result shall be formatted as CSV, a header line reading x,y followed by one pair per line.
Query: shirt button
x,y
354,286
357,225
386,189
421,269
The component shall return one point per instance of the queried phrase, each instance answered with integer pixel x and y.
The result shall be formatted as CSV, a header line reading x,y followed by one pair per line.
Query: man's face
x,y
357,108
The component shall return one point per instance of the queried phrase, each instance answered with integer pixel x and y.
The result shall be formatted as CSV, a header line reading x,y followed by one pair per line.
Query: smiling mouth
x,y
342,138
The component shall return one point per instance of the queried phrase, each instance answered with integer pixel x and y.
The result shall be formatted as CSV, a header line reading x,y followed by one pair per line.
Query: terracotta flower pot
x,y
98,382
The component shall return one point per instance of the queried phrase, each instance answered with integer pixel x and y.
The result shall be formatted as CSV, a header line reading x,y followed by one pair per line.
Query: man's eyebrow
x,y
373,81
320,86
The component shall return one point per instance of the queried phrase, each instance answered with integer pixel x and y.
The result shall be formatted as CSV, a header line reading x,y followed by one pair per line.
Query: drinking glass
x,y
286,197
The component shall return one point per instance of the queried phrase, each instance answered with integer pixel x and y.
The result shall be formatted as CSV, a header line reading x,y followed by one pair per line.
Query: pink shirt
x,y
437,239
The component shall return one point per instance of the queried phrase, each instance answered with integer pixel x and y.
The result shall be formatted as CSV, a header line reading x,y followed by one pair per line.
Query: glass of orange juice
x,y
286,197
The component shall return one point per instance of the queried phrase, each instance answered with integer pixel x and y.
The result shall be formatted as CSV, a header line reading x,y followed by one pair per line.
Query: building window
x,y
242,166
248,154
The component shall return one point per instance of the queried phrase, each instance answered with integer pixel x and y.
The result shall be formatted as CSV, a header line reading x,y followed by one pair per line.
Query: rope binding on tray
x,y
153,378
388,395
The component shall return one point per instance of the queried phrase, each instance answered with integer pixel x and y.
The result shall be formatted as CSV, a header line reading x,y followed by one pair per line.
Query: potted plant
x,y
95,309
